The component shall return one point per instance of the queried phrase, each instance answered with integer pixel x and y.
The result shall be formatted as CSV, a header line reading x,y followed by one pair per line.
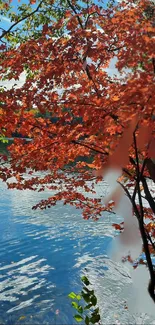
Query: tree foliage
x,y
87,119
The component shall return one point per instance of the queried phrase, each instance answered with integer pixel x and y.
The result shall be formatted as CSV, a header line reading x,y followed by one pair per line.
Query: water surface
x,y
44,253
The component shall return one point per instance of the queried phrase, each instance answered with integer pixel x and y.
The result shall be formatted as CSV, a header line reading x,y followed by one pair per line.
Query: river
x,y
43,254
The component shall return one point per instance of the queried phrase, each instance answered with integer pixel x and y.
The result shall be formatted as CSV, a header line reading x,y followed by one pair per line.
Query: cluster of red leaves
x,y
96,113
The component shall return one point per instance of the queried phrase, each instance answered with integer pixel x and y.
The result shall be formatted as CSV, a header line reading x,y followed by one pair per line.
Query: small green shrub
x,y
88,311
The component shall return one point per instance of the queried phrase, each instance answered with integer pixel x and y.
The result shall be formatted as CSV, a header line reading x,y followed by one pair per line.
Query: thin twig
x,y
74,10
20,20
140,177
150,239
89,147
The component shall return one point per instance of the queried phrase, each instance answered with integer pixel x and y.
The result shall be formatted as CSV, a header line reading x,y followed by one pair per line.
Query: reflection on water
x,y
42,256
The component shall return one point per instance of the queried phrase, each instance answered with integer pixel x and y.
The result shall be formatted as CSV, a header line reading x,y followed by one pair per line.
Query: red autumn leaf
x,y
45,28
117,226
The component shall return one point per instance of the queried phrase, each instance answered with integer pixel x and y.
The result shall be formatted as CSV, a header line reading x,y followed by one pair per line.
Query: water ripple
x,y
44,253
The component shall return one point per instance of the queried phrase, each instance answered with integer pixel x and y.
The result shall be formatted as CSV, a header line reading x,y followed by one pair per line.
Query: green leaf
x,y
78,297
78,318
85,280
75,305
96,311
86,297
94,319
88,306
93,300
3,140
72,295
87,320
80,309
90,292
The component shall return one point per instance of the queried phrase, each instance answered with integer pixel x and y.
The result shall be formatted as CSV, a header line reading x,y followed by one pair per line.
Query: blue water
x,y
42,256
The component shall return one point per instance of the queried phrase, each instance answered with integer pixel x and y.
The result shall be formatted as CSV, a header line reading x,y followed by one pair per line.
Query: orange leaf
x,y
91,166
115,98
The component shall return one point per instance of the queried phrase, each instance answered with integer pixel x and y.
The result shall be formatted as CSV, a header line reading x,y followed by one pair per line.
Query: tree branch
x,y
20,20
74,10
87,146
140,177
148,194
142,228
